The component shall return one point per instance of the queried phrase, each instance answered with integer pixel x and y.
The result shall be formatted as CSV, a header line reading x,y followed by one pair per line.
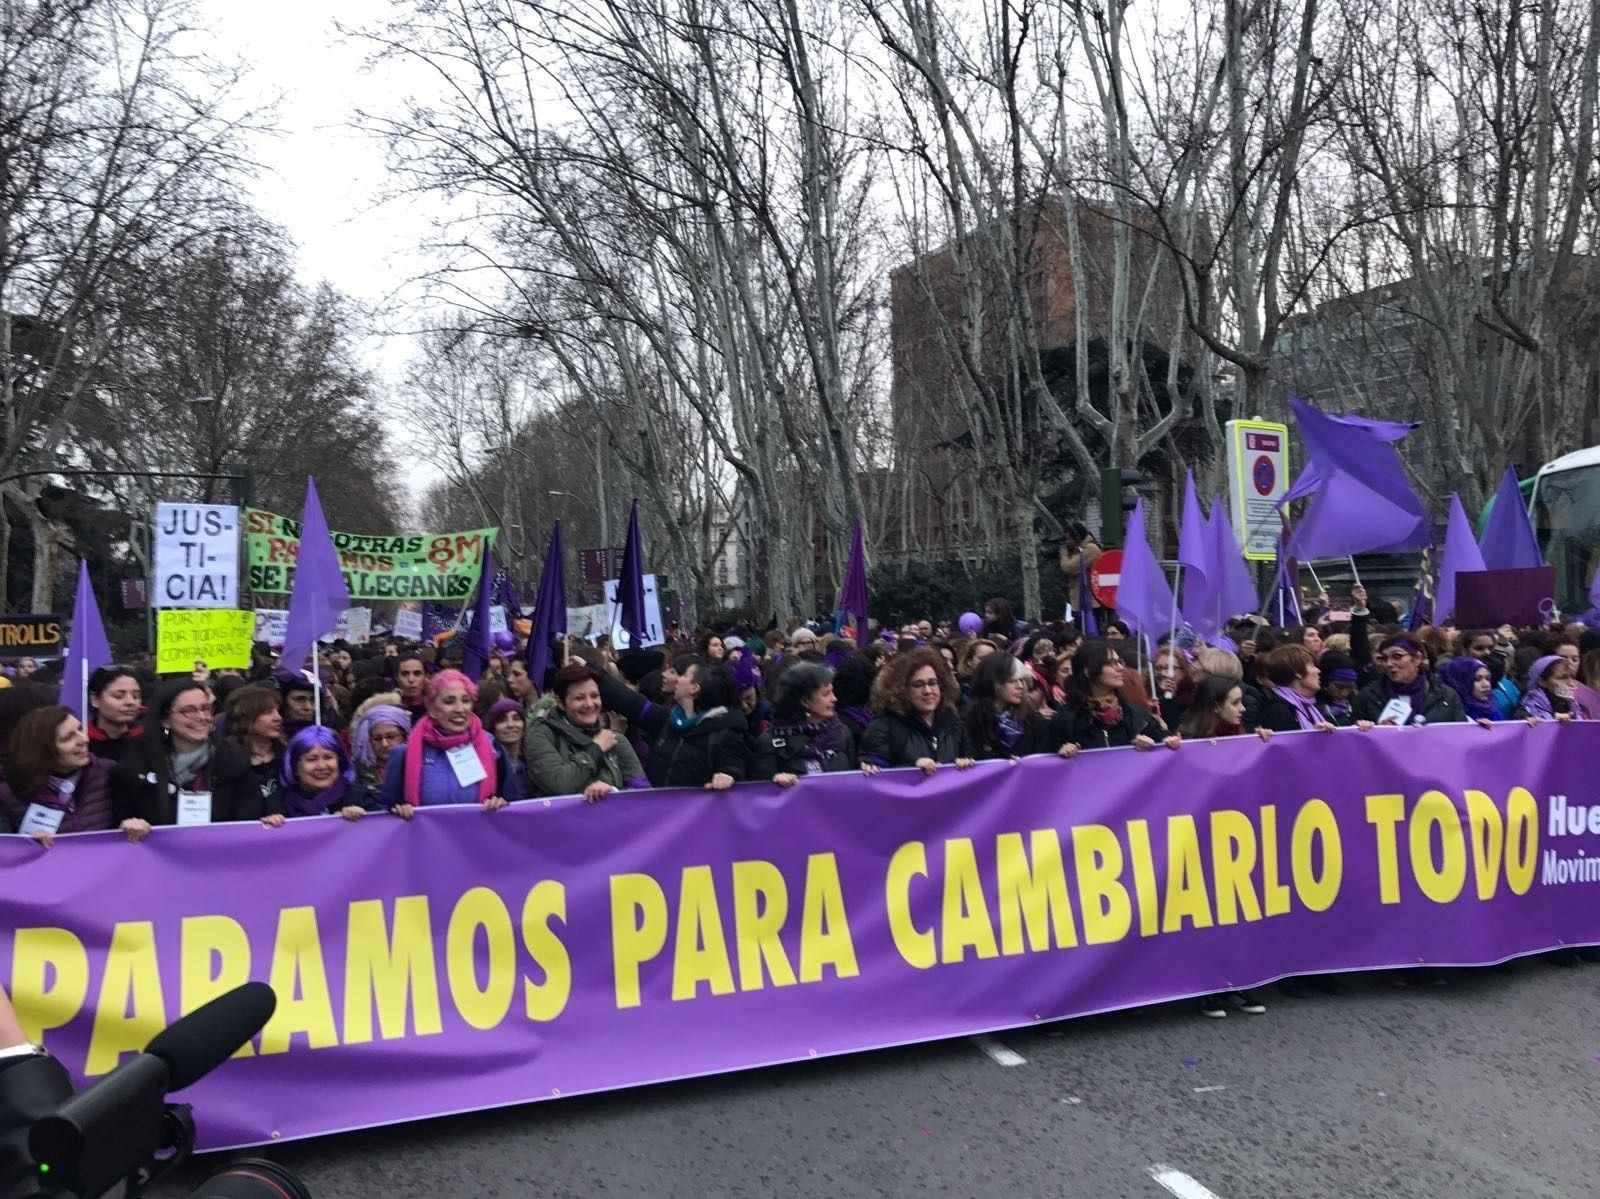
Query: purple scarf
x,y
297,803
861,717
823,739
1305,706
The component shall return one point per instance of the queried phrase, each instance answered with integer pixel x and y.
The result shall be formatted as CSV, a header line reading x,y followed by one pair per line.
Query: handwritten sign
x,y
219,637
197,556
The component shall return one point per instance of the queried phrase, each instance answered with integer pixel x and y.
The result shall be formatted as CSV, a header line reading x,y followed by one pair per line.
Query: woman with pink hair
x,y
448,758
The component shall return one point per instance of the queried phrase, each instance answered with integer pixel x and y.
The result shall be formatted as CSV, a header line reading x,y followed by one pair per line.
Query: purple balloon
x,y
504,640
970,623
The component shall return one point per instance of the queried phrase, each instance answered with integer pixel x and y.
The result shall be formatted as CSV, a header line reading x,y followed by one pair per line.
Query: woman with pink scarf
x,y
448,758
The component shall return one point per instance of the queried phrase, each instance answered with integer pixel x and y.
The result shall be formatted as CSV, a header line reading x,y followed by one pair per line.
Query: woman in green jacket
x,y
570,751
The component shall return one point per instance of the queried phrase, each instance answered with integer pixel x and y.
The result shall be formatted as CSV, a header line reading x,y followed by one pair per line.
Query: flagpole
x,y
83,693
1321,590
1352,560
1177,576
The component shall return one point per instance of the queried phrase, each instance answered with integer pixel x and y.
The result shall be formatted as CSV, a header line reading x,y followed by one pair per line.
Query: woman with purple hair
x,y
318,779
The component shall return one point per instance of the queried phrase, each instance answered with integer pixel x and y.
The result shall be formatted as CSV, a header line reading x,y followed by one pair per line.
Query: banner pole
x,y
1352,560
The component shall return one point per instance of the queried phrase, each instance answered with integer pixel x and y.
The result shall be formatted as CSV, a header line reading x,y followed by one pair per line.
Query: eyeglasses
x,y
924,684
192,711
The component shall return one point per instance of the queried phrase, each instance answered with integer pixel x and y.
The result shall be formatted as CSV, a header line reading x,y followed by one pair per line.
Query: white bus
x,y
1565,504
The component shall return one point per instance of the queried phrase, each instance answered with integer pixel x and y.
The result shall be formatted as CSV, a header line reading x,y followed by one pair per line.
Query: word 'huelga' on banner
x,y
556,947
219,637
31,636
404,566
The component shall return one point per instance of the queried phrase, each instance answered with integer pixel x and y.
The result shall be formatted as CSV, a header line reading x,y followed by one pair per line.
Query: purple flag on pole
x,y
630,583
480,642
1232,589
319,594
550,609
1387,432
1283,597
1144,599
87,649
1088,622
1508,540
1422,610
1364,502
1195,549
853,589
1461,553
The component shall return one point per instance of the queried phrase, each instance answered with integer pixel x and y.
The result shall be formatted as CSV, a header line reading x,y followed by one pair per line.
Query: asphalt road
x,y
1489,1087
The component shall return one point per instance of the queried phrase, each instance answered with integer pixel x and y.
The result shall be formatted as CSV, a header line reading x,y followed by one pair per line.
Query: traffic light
x,y
1118,495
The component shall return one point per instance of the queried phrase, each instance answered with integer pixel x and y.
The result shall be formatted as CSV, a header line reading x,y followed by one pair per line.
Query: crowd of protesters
x,y
396,727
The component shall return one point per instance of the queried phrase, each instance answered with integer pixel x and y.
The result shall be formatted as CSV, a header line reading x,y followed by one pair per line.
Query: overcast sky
x,y
320,178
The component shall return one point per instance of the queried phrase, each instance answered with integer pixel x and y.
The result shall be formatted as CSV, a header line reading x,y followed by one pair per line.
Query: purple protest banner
x,y
471,959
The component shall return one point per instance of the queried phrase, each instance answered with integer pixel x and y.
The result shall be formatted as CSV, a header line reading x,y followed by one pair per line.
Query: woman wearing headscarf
x,y
806,735
1406,693
1472,680
381,726
317,779
51,774
180,771
915,695
1551,683
1293,681
447,758
115,697
570,751
1096,713
1001,721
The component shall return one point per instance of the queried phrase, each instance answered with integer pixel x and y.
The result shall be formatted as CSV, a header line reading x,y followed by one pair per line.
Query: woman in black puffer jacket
x,y
807,736
916,695
701,739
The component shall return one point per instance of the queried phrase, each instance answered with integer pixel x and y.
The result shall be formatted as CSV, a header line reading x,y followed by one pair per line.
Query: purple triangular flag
x,y
630,583
1144,598
853,590
1236,586
1508,541
1461,553
319,594
479,645
550,609
1195,554
87,647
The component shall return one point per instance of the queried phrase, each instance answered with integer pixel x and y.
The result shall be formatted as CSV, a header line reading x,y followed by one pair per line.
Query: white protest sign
x,y
355,624
654,633
272,624
408,624
197,556
588,622
497,618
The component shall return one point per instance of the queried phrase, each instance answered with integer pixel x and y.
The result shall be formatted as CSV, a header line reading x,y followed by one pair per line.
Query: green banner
x,y
377,566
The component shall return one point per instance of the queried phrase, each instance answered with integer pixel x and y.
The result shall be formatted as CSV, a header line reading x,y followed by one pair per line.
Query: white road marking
x,y
1207,1090
1180,1184
999,1052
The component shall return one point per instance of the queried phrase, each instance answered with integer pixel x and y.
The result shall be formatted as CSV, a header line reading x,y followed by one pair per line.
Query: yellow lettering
x,y
1233,862
760,906
1522,839
486,1006
1274,892
213,959
1313,823
1442,881
917,947
1097,861
300,980
131,1008
701,952
1186,878
1384,813
546,901
1488,841
1033,894
1145,890
638,931
966,913
49,978
824,929
394,971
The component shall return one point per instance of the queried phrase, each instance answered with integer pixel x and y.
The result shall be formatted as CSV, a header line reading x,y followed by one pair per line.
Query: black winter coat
x,y
1440,704
718,743
778,753
234,792
1078,725
895,740
355,795
1280,716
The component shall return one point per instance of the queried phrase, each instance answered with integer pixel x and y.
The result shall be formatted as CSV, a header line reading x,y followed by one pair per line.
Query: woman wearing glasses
x,y
1094,713
916,695
179,771
1406,693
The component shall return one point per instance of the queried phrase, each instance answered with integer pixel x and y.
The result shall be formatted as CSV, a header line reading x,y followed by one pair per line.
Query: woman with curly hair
x,y
915,695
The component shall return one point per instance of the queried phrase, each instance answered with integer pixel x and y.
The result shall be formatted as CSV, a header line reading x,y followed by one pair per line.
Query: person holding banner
x,y
1406,693
53,784
115,697
570,751
806,735
915,695
1293,682
448,758
1551,684
1001,723
179,772
1095,713
702,739
506,724
380,728
255,724
317,779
